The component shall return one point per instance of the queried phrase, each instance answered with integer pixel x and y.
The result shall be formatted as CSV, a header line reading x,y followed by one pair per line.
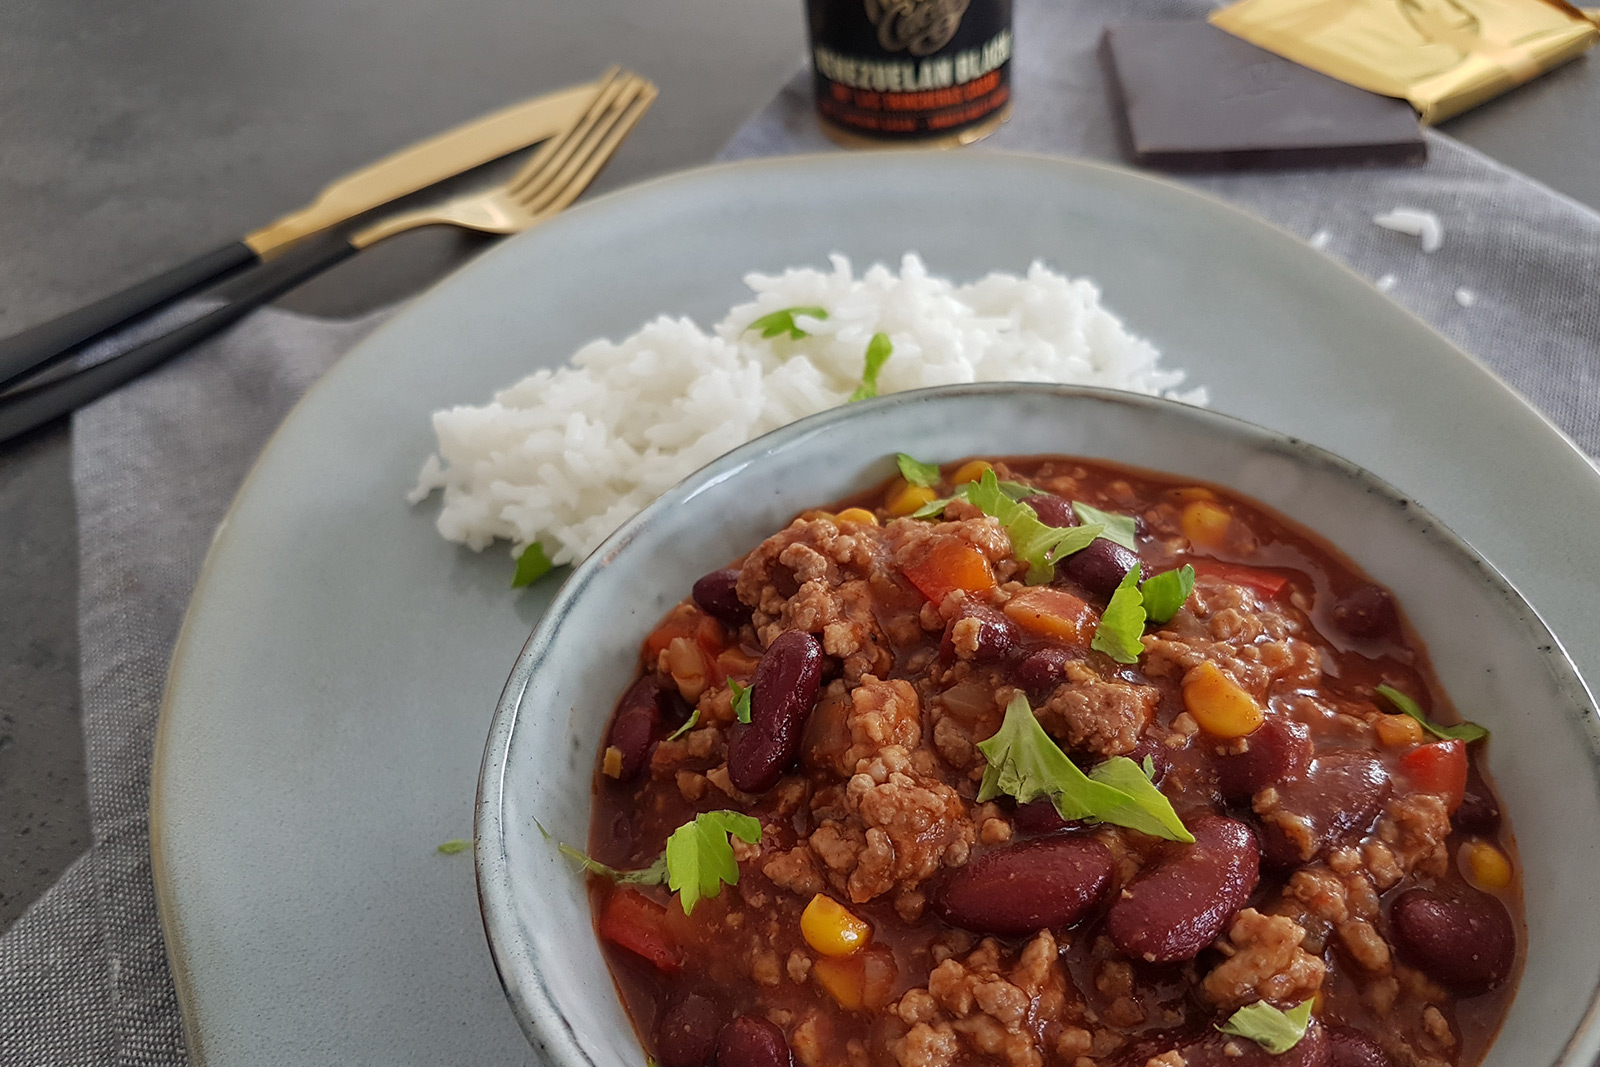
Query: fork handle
x,y
128,350
49,342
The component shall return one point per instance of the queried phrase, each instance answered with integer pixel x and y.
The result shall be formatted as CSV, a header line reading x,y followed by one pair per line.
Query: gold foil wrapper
x,y
1444,56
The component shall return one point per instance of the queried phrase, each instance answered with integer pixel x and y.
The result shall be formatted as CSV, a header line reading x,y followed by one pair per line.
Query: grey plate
x,y
334,682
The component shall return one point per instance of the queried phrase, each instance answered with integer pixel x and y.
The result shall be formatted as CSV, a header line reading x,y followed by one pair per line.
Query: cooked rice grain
x,y
564,457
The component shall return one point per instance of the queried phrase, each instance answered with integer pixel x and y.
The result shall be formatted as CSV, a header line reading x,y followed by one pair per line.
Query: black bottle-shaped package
x,y
918,71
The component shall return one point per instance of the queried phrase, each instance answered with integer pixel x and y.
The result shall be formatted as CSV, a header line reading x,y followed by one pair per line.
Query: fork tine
x,y
588,157
553,154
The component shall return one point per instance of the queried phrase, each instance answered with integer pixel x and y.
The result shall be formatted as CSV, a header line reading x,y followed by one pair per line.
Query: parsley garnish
x,y
1037,545
741,700
532,565
915,472
879,349
1122,623
699,856
689,724
1025,764
1275,1030
783,322
1467,731
454,845
1118,528
655,874
1166,592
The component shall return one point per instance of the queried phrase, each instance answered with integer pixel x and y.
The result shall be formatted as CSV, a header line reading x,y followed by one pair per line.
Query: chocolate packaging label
x,y
1444,56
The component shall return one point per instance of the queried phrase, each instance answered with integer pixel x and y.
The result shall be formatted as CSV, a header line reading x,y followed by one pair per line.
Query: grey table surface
x,y
133,136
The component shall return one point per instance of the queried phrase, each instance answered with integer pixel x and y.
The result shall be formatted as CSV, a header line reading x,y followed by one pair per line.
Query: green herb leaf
x,y
532,565
934,508
1119,528
700,856
1467,731
741,700
1037,545
1018,491
1122,623
879,349
655,874
1166,592
916,472
1275,1030
1024,763
783,322
689,724
454,845
1145,810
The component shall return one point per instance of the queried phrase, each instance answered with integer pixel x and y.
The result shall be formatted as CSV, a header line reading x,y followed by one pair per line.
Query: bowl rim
x,y
539,1016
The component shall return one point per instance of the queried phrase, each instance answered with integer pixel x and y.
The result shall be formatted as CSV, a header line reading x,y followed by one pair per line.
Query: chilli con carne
x,y
1043,761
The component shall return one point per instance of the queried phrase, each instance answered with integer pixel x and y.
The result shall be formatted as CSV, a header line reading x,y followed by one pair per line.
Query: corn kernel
x,y
845,981
1218,704
1397,731
831,929
858,515
611,766
1485,866
1205,524
908,499
970,471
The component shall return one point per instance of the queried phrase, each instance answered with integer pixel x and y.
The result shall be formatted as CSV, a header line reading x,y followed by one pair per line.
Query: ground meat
x,y
880,714
904,826
1253,642
1096,714
1265,962
992,1012
1414,827
796,871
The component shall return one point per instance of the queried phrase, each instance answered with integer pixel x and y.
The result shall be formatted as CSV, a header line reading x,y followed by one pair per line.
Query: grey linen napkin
x,y
83,974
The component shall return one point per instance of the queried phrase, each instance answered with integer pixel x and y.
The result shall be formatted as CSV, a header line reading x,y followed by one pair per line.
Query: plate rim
x,y
168,910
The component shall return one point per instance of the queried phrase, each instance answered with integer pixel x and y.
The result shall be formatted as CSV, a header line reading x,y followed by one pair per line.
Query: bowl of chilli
x,y
1030,725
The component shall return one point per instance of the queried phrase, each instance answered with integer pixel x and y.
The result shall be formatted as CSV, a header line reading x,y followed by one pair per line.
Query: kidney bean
x,y
1478,813
1465,941
1021,889
1101,567
1340,795
1160,762
1175,909
1051,509
996,634
1349,1047
718,596
785,689
636,725
1039,817
688,1032
1040,671
1278,752
1366,611
751,1041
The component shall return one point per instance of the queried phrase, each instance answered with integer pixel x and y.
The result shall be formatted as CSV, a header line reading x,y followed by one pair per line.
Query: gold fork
x,y
552,178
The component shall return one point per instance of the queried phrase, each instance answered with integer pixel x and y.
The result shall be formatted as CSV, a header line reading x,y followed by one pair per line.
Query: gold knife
x,y
406,171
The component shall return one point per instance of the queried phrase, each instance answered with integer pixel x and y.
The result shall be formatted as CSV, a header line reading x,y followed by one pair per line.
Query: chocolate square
x,y
1197,98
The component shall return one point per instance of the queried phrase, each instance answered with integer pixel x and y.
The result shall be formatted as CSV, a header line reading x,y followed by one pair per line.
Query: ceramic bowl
x,y
1492,653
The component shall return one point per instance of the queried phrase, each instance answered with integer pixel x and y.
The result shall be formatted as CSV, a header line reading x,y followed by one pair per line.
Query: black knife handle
x,y
126,352
36,348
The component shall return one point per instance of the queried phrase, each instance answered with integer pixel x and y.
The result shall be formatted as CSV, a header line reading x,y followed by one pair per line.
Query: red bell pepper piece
x,y
1439,767
633,921
1268,583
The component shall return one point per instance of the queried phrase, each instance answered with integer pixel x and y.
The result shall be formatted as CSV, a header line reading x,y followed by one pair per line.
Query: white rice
x,y
1424,225
564,457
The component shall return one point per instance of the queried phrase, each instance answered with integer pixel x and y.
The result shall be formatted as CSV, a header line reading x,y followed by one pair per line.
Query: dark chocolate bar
x,y
1196,98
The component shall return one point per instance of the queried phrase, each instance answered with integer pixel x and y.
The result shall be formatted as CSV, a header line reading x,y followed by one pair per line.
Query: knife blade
x,y
404,172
